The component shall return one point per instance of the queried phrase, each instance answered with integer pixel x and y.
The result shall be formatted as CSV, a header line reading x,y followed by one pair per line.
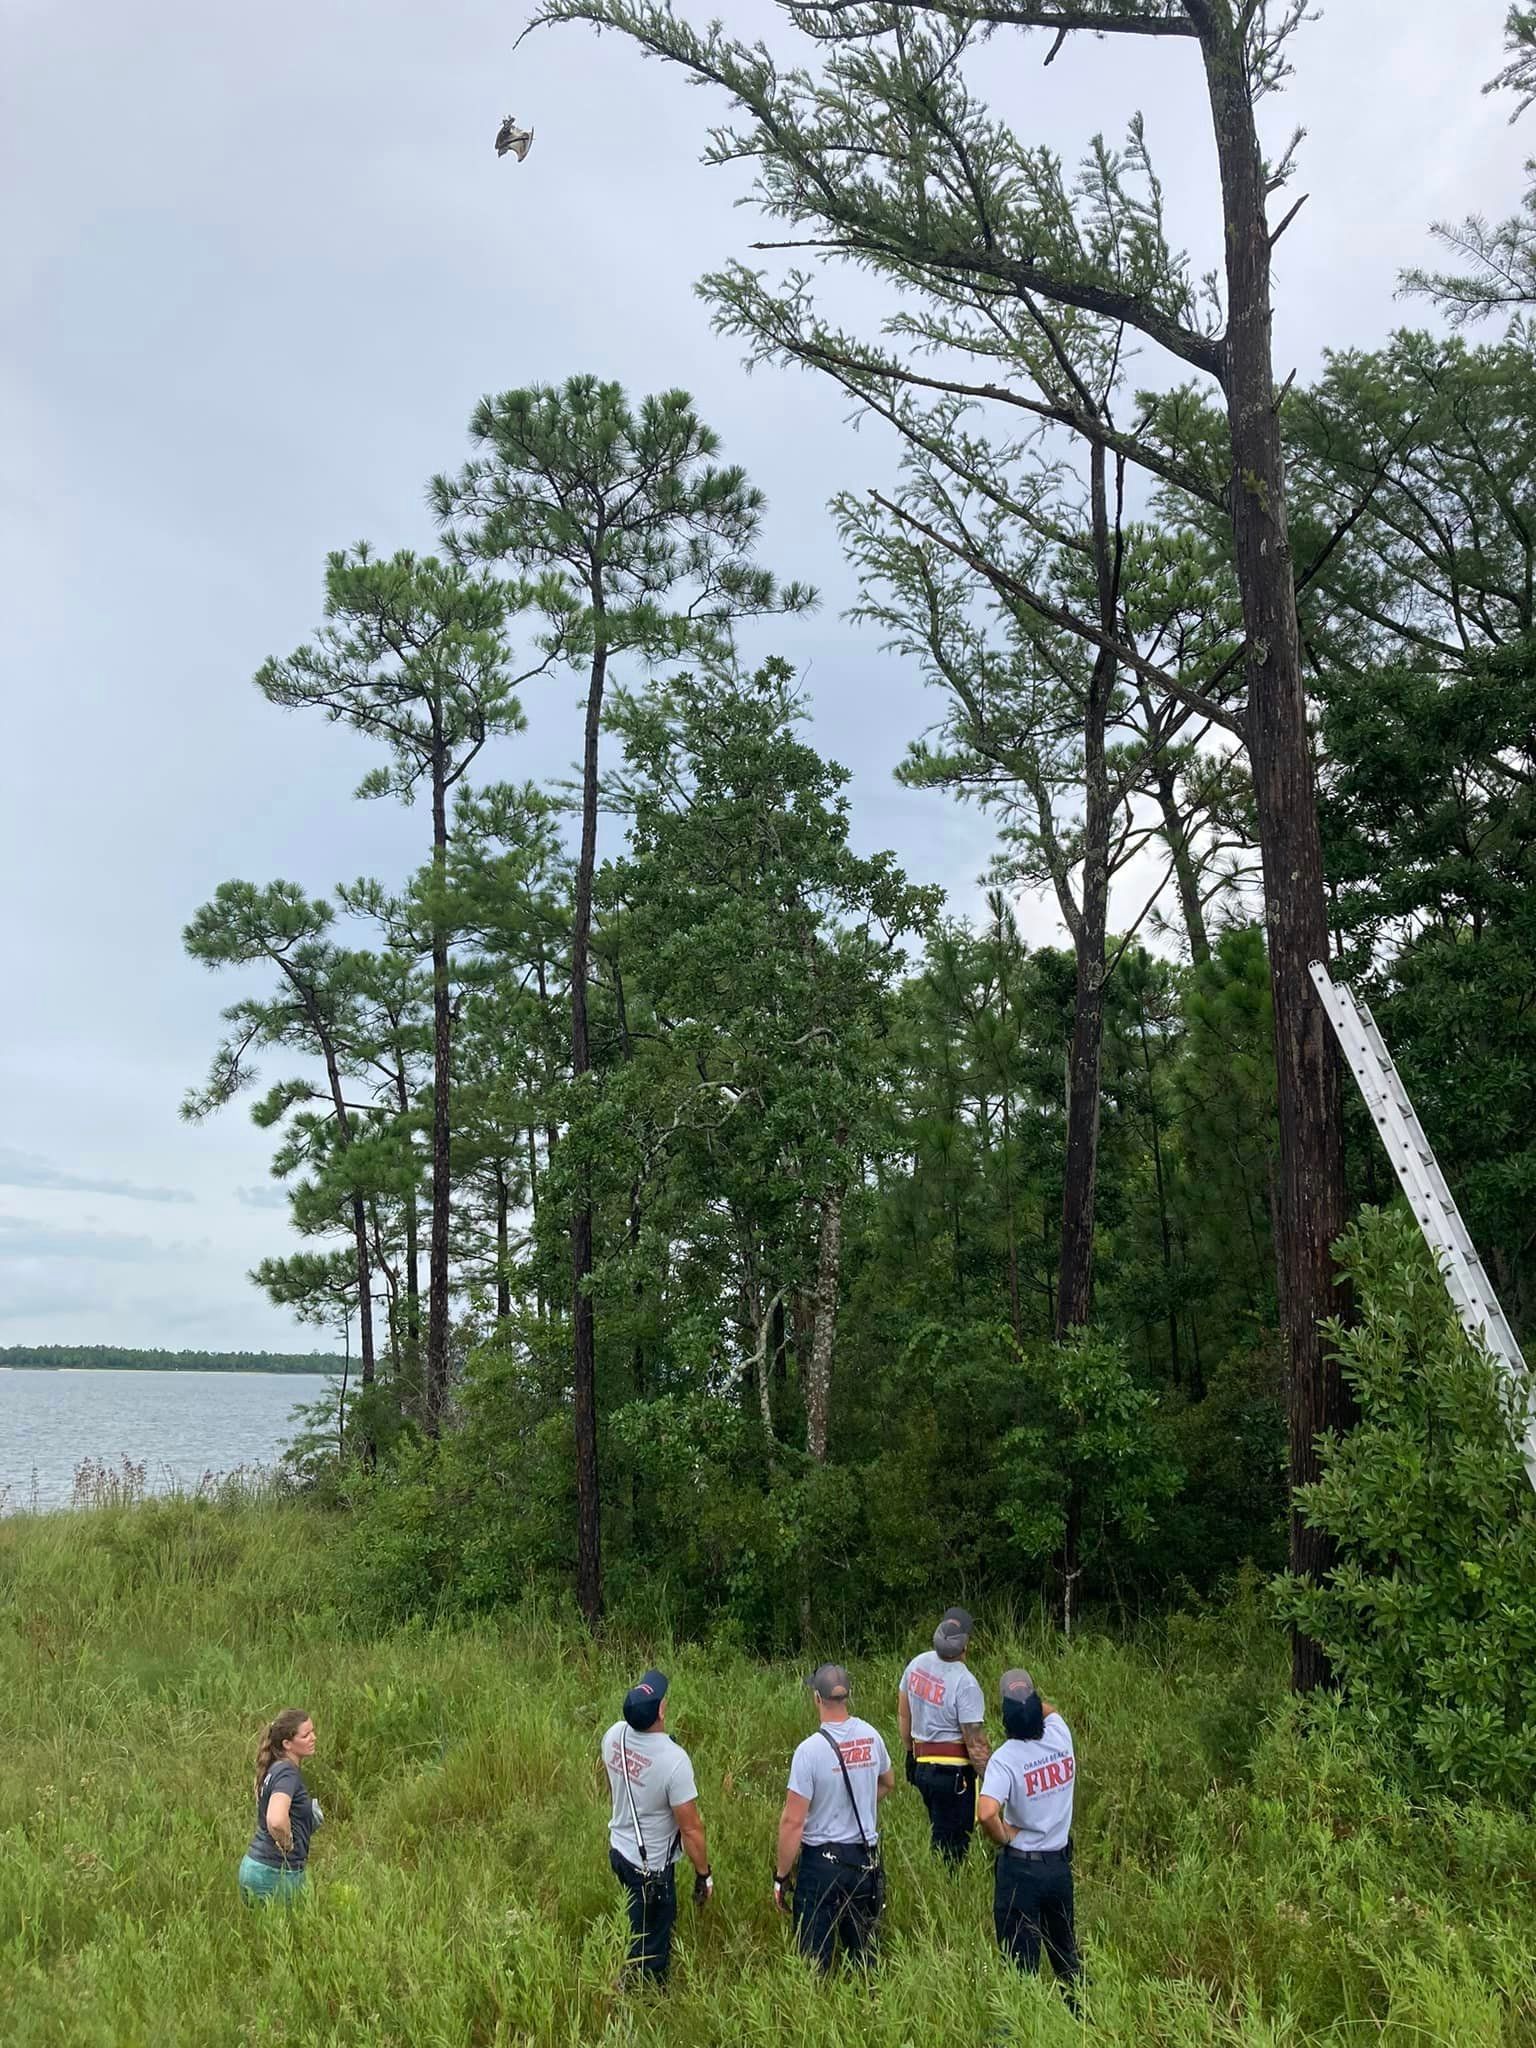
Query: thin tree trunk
x,y
503,1275
589,1561
412,1373
1074,1287
818,1384
1015,1308
1310,1210
436,1390
1185,871
306,995
1162,1195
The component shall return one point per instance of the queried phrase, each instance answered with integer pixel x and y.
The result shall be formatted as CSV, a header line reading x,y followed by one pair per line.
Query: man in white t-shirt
x,y
655,1820
1026,1807
940,1707
831,1822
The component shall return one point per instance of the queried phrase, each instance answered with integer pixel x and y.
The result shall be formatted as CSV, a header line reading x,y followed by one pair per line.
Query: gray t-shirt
x,y
940,1696
304,1816
1033,1784
660,1777
815,1775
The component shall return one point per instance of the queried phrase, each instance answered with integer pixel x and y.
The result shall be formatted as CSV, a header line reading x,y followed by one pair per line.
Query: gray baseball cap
x,y
830,1682
953,1633
1017,1685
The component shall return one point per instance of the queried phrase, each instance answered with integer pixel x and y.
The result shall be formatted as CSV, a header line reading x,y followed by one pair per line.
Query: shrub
x,y
1429,1616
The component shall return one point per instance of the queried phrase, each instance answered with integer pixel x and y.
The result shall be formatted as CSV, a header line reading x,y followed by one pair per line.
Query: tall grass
x,y
1239,1881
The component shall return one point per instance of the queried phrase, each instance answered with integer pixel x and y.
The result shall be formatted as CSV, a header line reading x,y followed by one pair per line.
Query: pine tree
x,y
638,543
414,653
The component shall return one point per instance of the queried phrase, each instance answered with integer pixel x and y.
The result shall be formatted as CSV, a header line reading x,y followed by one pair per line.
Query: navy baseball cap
x,y
642,1703
829,1682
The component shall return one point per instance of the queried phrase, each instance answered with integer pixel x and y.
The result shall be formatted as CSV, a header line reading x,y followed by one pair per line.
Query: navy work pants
x,y
652,1916
837,1904
1031,1905
949,1793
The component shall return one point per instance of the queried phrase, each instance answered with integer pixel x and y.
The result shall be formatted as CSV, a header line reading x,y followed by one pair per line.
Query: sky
x,y
258,265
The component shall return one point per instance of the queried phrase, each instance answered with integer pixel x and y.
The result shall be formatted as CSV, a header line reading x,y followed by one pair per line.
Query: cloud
x,y
26,1170
50,1297
262,1198
23,1240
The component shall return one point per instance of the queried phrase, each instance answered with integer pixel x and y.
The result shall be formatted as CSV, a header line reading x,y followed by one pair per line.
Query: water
x,y
178,1425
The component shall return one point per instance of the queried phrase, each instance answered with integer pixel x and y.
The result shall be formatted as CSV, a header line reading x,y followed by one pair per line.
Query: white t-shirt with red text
x,y
941,1696
660,1780
1033,1783
815,1775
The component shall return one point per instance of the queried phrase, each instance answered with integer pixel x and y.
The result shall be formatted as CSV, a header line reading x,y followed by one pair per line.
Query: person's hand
x,y
282,1833
703,1887
911,1768
781,1892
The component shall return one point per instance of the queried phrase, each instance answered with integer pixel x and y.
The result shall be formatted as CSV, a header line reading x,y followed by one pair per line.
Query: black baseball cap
x,y
642,1703
830,1682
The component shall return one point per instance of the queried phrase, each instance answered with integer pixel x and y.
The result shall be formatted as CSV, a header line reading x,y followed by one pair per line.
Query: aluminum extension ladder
x,y
1428,1196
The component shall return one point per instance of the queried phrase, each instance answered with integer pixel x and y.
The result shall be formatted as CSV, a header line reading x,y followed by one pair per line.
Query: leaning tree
x,y
886,155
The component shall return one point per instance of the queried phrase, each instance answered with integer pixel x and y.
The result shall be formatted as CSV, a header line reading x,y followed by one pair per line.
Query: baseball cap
x,y
829,1682
642,1703
1017,1685
953,1632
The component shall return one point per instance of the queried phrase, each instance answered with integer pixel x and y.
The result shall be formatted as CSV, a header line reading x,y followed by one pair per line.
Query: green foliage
x,y
1087,1451
112,1358
1430,1614
1241,1879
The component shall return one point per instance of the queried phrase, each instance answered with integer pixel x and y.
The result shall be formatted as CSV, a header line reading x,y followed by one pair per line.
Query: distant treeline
x,y
107,1357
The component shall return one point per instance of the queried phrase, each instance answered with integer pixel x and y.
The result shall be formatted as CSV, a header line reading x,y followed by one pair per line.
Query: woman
x,y
286,1816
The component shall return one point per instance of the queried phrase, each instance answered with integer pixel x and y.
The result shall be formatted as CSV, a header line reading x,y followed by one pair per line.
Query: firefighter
x,y
831,1823
940,1706
654,1822
1026,1807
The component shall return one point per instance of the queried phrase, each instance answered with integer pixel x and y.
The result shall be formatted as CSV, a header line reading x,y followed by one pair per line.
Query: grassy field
x,y
1237,1883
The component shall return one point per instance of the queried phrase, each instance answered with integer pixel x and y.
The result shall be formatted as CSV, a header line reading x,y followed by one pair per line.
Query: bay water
x,y
178,1425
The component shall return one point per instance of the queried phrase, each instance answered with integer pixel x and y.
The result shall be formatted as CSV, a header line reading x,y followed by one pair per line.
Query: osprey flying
x,y
509,137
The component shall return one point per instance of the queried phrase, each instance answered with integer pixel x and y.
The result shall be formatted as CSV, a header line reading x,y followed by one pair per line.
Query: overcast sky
x,y
258,265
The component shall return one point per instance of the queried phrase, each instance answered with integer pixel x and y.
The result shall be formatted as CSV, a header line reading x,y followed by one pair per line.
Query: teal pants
x,y
262,1881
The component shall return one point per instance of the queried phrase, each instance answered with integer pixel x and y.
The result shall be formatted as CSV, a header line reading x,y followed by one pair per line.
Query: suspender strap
x,y
842,1766
634,1815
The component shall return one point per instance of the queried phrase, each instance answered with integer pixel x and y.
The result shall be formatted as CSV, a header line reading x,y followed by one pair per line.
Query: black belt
x,y
1039,1855
846,1853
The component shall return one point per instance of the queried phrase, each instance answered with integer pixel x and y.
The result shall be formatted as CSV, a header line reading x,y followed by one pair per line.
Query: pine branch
x,y
1113,19
1062,616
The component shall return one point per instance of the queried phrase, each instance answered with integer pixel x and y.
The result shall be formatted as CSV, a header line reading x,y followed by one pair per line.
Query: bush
x,y
1430,1614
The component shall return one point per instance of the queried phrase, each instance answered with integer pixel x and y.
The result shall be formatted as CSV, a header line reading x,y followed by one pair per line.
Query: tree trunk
x,y
435,1400
1310,1210
818,1382
589,1560
1015,1306
503,1275
323,1038
412,1373
1074,1287
1186,873
1164,1230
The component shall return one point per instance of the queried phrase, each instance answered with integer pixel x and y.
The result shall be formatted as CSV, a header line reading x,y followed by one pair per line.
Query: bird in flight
x,y
511,138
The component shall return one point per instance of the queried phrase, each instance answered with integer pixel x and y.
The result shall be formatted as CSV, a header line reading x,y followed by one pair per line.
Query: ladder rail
x,y
1429,1196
